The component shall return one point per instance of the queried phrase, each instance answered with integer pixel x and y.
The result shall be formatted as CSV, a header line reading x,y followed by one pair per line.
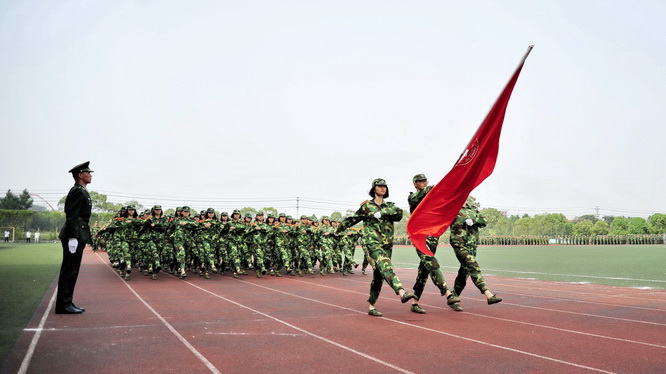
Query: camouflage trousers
x,y
126,254
283,252
304,257
151,256
258,254
429,266
379,257
347,254
232,258
466,255
205,255
181,249
325,256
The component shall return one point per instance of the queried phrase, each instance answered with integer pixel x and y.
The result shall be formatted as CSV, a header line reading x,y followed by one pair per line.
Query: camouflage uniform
x,y
183,239
428,264
347,245
326,239
207,231
259,238
154,231
378,236
283,243
464,240
304,245
236,232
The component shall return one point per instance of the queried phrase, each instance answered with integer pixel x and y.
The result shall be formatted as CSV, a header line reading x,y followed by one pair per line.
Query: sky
x,y
299,105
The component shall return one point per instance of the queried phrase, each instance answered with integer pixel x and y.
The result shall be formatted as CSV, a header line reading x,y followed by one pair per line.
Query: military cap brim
x,y
81,168
419,177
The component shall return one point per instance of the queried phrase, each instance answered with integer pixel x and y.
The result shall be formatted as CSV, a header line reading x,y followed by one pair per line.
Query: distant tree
x,y
638,225
608,219
523,226
336,216
270,210
619,226
600,228
100,203
590,217
504,226
246,210
657,223
13,202
551,224
584,227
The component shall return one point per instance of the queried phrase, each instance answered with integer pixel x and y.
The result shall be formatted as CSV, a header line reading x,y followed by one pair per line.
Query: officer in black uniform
x,y
74,236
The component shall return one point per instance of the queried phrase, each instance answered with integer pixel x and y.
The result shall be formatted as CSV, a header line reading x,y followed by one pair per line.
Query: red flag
x,y
441,205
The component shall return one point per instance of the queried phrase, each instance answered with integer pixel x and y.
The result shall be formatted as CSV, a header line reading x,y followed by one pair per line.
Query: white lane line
x,y
555,310
514,321
555,328
33,343
435,331
585,301
485,270
189,346
342,346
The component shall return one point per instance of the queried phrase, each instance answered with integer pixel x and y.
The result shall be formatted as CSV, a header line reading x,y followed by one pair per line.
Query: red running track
x,y
320,324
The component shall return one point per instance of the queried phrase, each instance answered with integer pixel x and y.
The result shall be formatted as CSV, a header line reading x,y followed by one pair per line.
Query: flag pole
x,y
520,65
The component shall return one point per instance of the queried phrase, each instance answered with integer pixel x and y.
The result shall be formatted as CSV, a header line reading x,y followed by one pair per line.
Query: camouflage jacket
x,y
377,231
463,234
236,230
326,235
415,198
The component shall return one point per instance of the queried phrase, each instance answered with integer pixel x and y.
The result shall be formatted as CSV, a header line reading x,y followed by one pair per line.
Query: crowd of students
x,y
205,243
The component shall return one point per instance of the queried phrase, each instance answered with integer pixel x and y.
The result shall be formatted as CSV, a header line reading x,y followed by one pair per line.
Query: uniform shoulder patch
x,y
364,202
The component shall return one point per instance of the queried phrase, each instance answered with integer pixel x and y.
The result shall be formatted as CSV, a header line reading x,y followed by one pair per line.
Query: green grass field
x,y
29,269
621,265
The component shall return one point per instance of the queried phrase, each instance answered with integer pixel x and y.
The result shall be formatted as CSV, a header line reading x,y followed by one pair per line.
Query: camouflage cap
x,y
157,207
419,177
131,207
325,218
282,215
185,209
378,182
260,213
248,215
210,210
290,218
224,214
179,209
236,211
304,216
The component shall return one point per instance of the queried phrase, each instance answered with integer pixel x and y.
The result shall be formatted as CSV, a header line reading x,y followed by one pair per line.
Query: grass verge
x,y
27,271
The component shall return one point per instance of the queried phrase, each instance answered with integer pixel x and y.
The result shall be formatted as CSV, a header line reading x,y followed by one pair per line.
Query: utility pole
x,y
298,215
597,211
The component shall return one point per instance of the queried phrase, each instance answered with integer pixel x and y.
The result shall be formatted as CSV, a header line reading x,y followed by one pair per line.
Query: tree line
x,y
14,212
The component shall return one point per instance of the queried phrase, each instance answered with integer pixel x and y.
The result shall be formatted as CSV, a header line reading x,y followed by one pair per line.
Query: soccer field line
x,y
430,329
455,268
175,332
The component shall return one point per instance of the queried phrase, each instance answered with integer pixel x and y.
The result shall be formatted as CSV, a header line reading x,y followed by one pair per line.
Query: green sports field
x,y
621,265
29,269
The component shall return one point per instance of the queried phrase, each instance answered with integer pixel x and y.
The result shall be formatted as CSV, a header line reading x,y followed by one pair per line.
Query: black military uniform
x,y
78,207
